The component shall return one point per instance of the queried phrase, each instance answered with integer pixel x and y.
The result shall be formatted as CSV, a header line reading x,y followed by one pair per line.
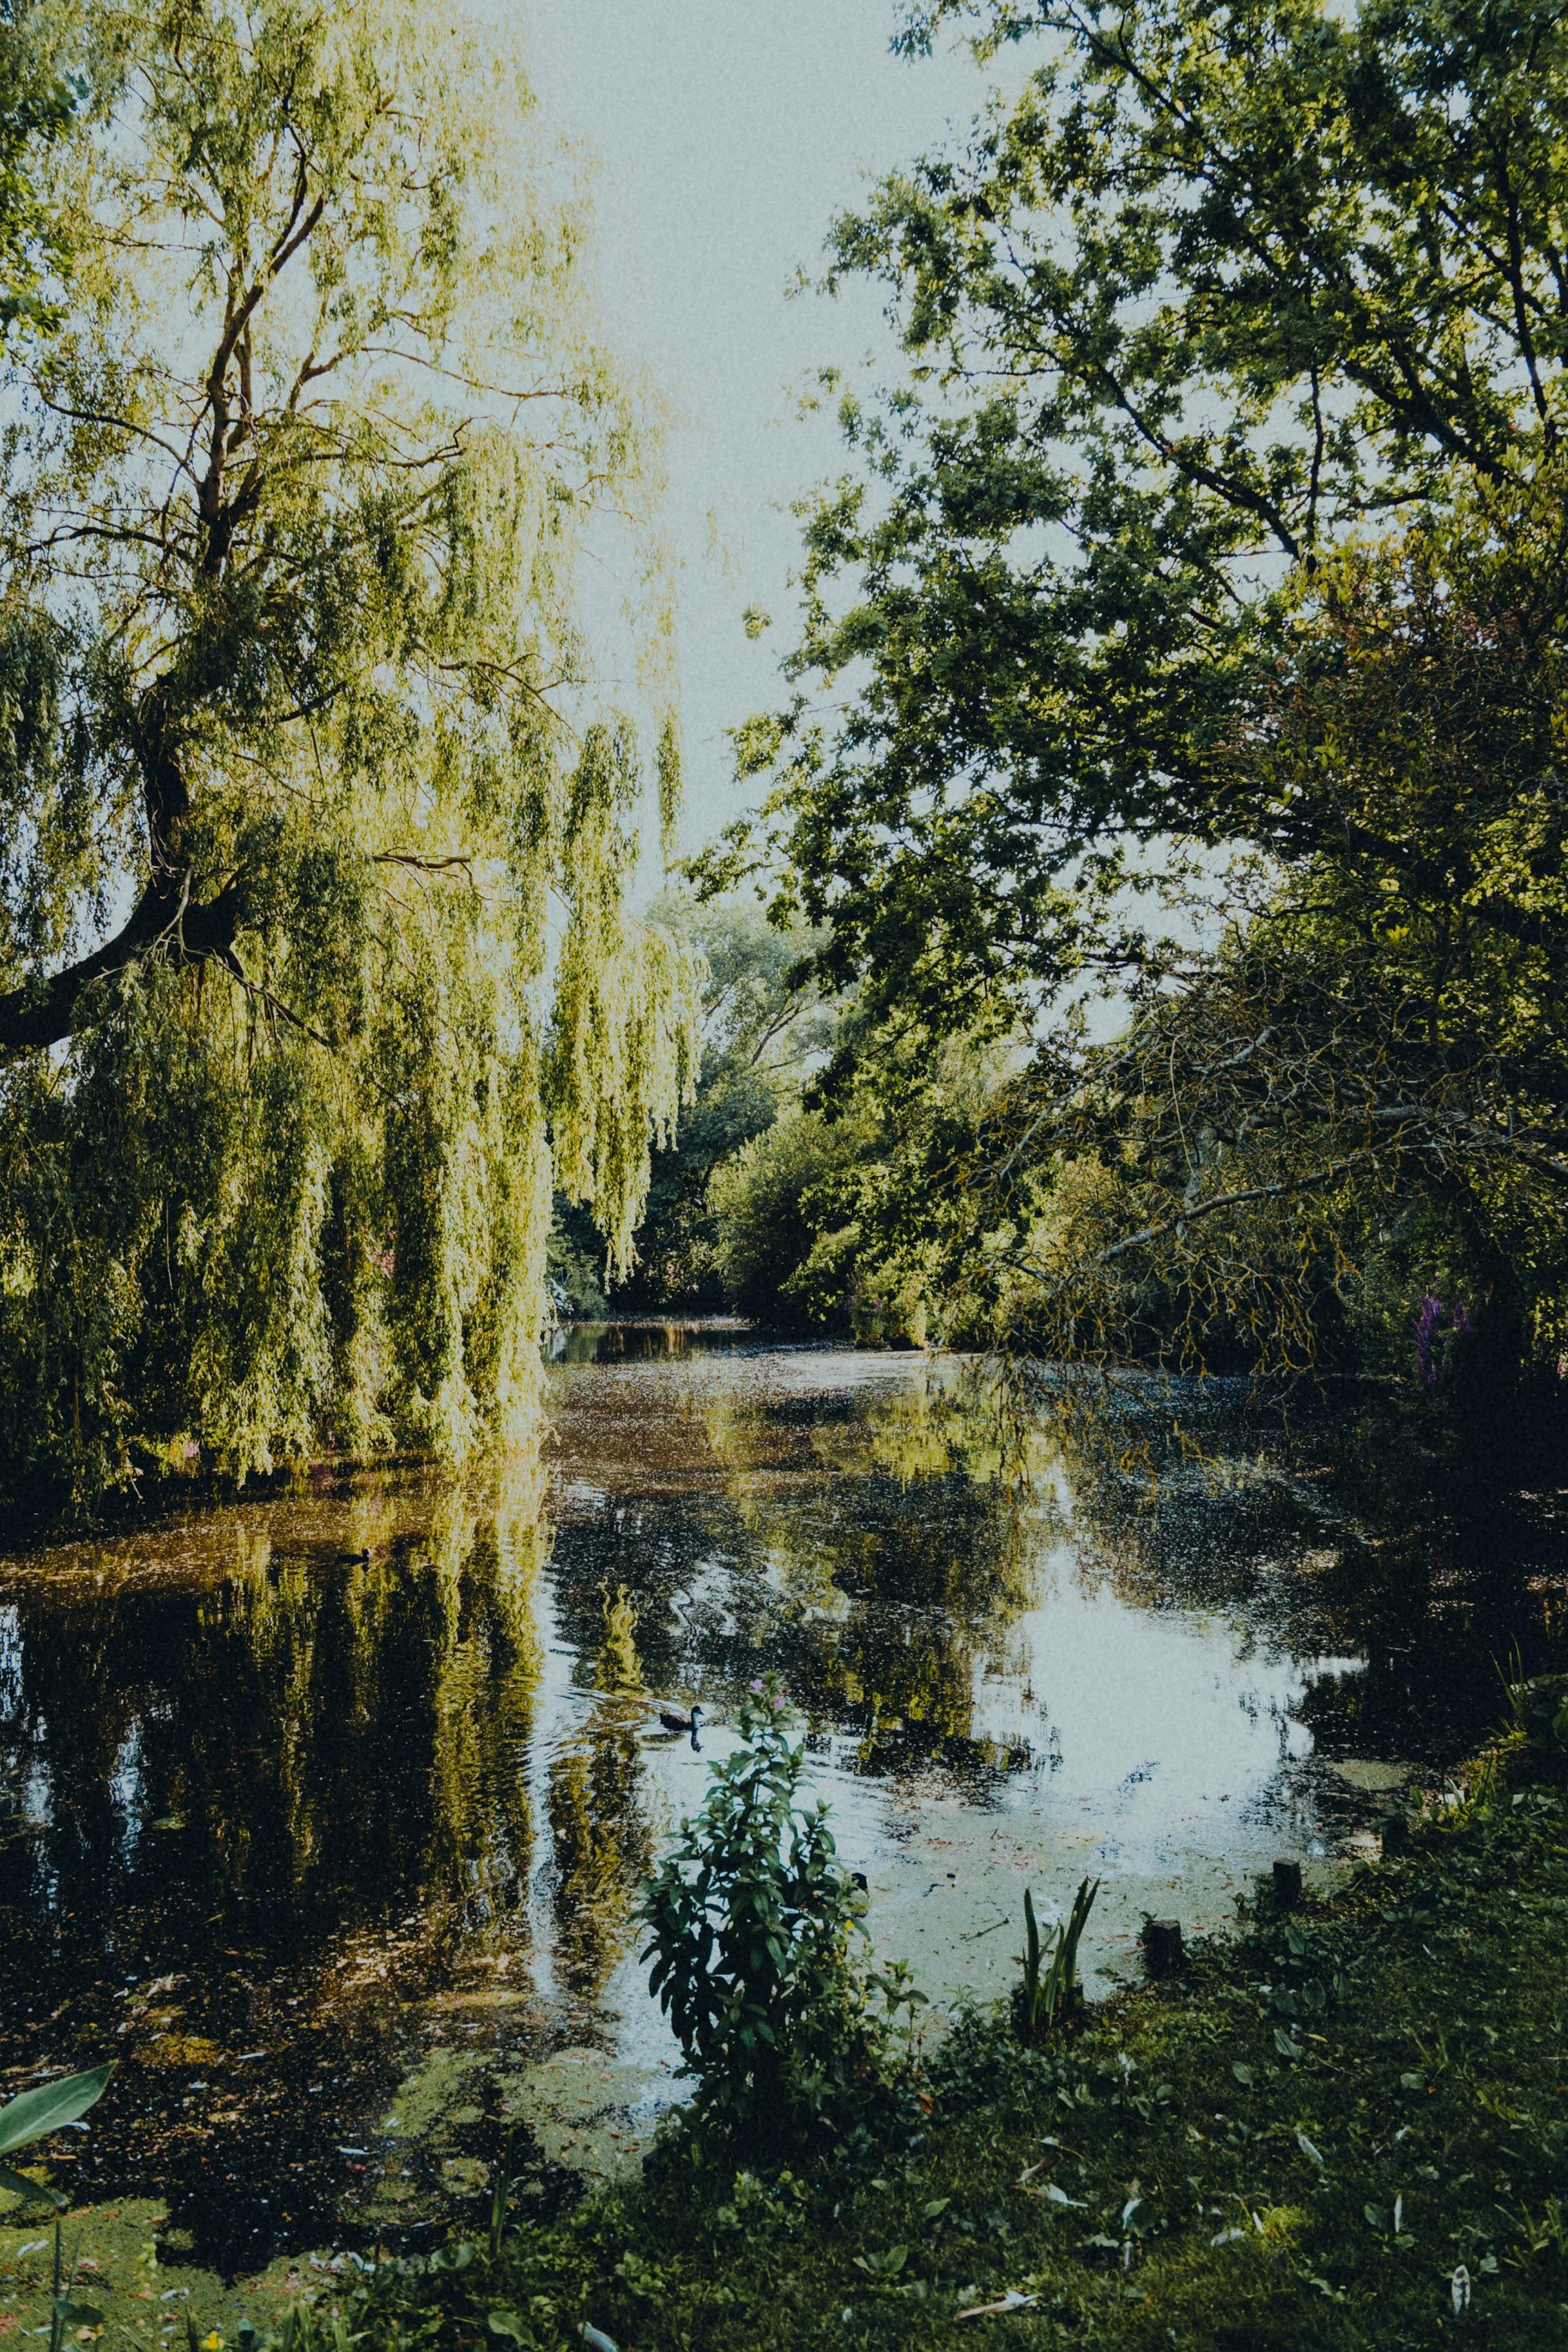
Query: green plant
x,y
751,1921
1537,1709
33,2116
1051,1994
1127,2177
36,2114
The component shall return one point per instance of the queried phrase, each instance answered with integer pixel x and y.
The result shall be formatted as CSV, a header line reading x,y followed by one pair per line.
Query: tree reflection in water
x,y
264,1811
364,1780
602,1843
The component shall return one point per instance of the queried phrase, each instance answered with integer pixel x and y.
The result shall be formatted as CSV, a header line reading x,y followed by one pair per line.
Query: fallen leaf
x,y
1013,2300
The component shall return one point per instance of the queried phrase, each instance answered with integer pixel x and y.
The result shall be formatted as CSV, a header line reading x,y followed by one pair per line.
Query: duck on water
x,y
673,1720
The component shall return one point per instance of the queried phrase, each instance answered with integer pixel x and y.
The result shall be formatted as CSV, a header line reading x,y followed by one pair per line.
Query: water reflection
x,y
329,1812
598,1818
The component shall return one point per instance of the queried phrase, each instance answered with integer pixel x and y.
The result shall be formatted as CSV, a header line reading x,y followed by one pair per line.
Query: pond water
x,y
326,1811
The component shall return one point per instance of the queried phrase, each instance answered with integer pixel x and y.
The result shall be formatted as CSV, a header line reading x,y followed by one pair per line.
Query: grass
x,y
1296,2144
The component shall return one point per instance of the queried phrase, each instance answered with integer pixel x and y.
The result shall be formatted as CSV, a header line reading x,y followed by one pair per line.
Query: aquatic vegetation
x,y
36,2114
24,2121
1538,1711
1051,1995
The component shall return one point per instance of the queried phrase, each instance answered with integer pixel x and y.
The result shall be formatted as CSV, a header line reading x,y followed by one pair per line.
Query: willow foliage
x,y
318,971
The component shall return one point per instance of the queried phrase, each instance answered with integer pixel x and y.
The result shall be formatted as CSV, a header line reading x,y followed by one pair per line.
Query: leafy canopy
x,y
1218,290
1208,564
317,965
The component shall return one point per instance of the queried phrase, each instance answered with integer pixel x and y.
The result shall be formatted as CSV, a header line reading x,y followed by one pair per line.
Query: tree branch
x,y
43,1012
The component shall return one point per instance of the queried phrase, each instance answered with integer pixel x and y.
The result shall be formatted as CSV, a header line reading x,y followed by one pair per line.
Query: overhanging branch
x,y
163,923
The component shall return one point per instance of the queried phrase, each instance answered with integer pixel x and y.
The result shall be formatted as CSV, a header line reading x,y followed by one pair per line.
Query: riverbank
x,y
1343,2129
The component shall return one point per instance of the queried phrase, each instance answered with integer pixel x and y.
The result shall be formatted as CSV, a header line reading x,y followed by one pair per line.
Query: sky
x,y
727,136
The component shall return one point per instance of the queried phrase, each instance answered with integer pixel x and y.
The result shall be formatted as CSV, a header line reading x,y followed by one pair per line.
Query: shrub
x,y
771,1203
752,1920
1539,1713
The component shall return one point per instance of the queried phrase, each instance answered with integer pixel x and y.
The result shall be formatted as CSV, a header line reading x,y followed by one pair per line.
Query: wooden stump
x,y
1162,1954
1287,1886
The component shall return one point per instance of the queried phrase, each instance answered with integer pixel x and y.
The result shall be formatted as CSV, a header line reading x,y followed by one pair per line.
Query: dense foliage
x,y
1191,628
850,1214
751,1921
760,1028
318,971
38,96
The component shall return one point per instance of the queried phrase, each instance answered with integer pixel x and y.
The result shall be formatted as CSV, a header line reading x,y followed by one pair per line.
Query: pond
x,y
326,1811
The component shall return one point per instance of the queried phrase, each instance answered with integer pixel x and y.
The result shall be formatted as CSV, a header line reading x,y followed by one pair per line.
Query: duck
x,y
673,1720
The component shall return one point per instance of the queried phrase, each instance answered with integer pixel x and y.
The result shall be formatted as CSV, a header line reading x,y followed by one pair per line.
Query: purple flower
x,y
757,1684
1431,1320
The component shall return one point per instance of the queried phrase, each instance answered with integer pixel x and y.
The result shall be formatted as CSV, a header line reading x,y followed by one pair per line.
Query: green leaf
x,y
80,2314
20,2186
37,2113
506,2323
1243,2073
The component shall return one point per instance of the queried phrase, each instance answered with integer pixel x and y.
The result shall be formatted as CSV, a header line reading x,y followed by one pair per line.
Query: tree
x,y
1359,1097
762,1028
317,964
1229,457
38,97
850,1210
1214,292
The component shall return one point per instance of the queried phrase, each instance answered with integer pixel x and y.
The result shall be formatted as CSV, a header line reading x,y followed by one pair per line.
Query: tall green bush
x,y
751,1925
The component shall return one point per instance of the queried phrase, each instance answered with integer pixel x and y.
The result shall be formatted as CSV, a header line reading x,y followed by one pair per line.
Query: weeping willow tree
x,y
317,967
